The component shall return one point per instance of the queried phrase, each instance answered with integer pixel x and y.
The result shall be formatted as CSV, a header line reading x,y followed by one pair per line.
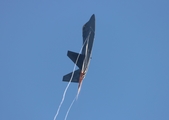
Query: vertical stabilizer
x,y
76,58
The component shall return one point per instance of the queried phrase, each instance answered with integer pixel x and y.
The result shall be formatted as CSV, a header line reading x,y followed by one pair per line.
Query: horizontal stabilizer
x,y
76,58
75,77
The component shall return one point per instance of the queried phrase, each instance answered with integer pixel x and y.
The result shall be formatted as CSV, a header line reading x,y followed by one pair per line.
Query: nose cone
x,y
89,27
92,18
92,22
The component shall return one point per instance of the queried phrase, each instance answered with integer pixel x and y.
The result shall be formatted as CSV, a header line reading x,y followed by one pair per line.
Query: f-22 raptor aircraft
x,y
82,60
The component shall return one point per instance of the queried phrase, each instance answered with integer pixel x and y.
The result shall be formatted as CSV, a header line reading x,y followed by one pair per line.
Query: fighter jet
x,y
82,60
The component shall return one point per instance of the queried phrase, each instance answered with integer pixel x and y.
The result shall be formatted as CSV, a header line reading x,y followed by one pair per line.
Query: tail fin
x,y
75,77
74,56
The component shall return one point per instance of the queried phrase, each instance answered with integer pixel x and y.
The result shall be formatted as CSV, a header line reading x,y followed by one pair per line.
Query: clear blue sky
x,y
128,78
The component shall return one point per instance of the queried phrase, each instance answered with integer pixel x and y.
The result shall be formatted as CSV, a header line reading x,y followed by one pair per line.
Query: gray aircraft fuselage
x,y
82,60
88,38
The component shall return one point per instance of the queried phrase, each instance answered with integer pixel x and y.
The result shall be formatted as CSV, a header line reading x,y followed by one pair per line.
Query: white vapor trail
x,y
63,97
67,87
76,97
69,108
78,92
